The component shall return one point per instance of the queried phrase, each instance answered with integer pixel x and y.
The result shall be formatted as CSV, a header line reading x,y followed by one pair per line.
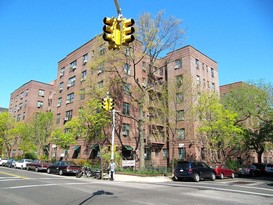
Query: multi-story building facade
x,y
71,82
30,98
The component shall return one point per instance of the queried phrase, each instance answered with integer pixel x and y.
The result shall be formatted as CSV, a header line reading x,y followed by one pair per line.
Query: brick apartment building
x,y
30,98
71,82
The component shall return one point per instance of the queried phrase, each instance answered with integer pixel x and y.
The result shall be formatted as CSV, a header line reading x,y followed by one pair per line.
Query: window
x,y
83,78
179,97
85,58
59,102
102,49
41,93
204,83
62,72
58,118
198,81
213,86
100,68
165,153
125,129
127,89
197,63
73,66
127,68
144,66
126,108
22,95
100,84
179,80
82,94
27,92
24,116
180,115
25,104
40,104
181,134
161,71
68,115
70,98
212,72
18,117
181,153
127,51
71,81
61,86
178,63
20,106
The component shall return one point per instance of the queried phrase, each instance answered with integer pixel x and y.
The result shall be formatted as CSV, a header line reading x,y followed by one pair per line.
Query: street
x,y
35,188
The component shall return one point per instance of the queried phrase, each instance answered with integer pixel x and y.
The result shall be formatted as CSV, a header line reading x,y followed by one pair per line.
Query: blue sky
x,y
35,35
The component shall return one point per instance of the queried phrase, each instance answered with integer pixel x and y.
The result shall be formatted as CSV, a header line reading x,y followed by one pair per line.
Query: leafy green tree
x,y
254,103
8,132
218,132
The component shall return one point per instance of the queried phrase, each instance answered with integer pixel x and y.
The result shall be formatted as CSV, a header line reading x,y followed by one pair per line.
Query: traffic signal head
x,y
111,104
109,29
105,104
127,31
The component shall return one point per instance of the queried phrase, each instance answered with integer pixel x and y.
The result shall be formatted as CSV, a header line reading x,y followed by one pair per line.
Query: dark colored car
x,y
38,165
222,171
63,167
193,170
269,169
255,169
10,163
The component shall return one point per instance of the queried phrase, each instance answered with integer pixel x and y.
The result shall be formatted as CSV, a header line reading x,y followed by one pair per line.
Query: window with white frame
x,y
62,72
197,63
41,93
100,68
70,98
40,104
85,58
58,118
125,129
69,114
127,88
213,86
84,73
181,133
61,86
71,81
59,104
82,94
181,153
178,64
73,66
22,95
127,68
126,108
180,115
198,81
102,49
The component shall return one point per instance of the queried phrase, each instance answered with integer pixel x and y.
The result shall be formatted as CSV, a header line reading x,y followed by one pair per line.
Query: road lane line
x,y
14,175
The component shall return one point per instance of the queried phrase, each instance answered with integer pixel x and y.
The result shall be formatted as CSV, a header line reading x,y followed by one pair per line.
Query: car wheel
x,y
196,177
212,176
61,172
232,175
36,169
221,176
48,171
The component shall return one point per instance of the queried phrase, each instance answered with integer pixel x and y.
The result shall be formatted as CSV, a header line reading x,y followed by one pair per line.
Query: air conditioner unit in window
x,y
82,79
74,67
84,61
68,101
61,74
99,72
60,89
144,85
124,133
59,105
68,85
39,106
65,118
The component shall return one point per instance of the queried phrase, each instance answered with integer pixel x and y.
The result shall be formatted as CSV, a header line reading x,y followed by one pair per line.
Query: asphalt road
x,y
32,188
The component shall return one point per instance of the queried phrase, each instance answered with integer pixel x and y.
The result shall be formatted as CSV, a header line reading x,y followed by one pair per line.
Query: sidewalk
x,y
133,178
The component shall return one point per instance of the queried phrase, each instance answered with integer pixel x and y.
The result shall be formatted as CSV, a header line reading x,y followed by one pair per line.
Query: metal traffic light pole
x,y
113,133
118,9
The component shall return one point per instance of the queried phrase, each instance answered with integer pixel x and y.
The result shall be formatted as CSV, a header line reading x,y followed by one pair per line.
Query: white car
x,y
22,163
3,161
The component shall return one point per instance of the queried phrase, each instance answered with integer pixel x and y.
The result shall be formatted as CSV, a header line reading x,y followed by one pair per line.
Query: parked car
x,y
222,171
10,163
22,163
3,161
269,169
38,165
193,170
63,167
255,169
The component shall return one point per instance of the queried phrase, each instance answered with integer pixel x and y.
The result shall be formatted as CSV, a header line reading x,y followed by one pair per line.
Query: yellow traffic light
x,y
105,104
109,29
111,103
127,31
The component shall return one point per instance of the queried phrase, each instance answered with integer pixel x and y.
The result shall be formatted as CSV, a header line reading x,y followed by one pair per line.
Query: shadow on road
x,y
97,193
